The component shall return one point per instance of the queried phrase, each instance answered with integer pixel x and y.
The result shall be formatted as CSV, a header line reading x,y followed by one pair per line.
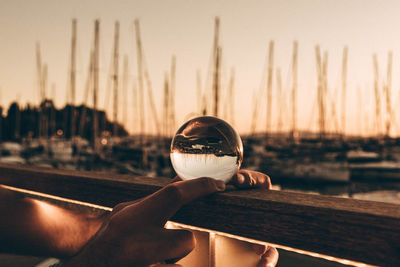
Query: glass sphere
x,y
206,147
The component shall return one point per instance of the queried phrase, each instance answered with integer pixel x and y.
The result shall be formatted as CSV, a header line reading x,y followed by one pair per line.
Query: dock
x,y
349,231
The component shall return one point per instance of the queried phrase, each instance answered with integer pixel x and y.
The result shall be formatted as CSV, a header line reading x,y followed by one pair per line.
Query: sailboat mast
x,y
217,55
88,85
40,87
151,102
115,79
73,76
17,119
199,92
166,105
95,84
377,96
231,97
280,100
172,97
320,92
254,118
344,85
52,110
360,111
39,71
125,78
140,81
294,91
217,81
324,92
44,81
135,107
269,85
44,115
388,95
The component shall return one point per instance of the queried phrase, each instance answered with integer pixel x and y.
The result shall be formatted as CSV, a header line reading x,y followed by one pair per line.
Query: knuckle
x,y
174,192
247,179
205,182
243,172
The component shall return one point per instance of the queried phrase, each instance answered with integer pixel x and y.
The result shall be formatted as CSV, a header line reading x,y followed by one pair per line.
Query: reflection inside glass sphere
x,y
206,147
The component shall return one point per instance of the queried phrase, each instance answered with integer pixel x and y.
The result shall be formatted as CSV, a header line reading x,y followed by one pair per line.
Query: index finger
x,y
163,204
246,179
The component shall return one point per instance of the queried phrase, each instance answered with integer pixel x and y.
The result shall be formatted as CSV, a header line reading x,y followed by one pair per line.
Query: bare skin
x,y
133,234
246,179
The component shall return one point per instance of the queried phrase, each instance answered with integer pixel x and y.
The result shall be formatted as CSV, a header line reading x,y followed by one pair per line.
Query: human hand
x,y
268,255
134,233
246,179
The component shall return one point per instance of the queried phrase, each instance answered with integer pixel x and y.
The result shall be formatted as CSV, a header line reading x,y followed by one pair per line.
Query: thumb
x,y
176,179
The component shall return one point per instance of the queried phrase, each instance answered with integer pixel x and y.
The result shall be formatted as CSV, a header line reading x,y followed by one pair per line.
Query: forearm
x,y
36,227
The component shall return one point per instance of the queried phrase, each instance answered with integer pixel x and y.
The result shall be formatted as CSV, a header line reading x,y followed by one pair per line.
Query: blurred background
x,y
311,87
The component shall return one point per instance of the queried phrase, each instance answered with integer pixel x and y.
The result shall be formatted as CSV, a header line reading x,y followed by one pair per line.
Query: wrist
x,y
90,255
84,228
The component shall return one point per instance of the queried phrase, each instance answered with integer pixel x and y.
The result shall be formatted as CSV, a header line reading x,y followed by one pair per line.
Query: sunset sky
x,y
185,28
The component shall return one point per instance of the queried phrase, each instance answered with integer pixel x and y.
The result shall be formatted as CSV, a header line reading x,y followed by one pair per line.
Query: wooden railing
x,y
357,230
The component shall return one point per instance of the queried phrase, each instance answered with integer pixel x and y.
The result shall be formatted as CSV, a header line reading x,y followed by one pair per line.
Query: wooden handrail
x,y
363,231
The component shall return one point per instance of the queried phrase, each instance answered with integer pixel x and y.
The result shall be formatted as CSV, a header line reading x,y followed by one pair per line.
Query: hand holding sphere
x,y
206,147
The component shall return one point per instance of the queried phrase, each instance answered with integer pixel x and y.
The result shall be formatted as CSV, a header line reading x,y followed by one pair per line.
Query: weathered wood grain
x,y
363,231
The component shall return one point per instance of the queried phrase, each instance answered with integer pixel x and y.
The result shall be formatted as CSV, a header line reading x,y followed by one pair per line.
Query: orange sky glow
x,y
185,29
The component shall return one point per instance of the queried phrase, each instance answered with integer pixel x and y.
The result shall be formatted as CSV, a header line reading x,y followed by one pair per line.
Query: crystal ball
x,y
206,147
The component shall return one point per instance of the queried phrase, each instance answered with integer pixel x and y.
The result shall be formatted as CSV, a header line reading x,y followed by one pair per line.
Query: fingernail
x,y
220,185
240,178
